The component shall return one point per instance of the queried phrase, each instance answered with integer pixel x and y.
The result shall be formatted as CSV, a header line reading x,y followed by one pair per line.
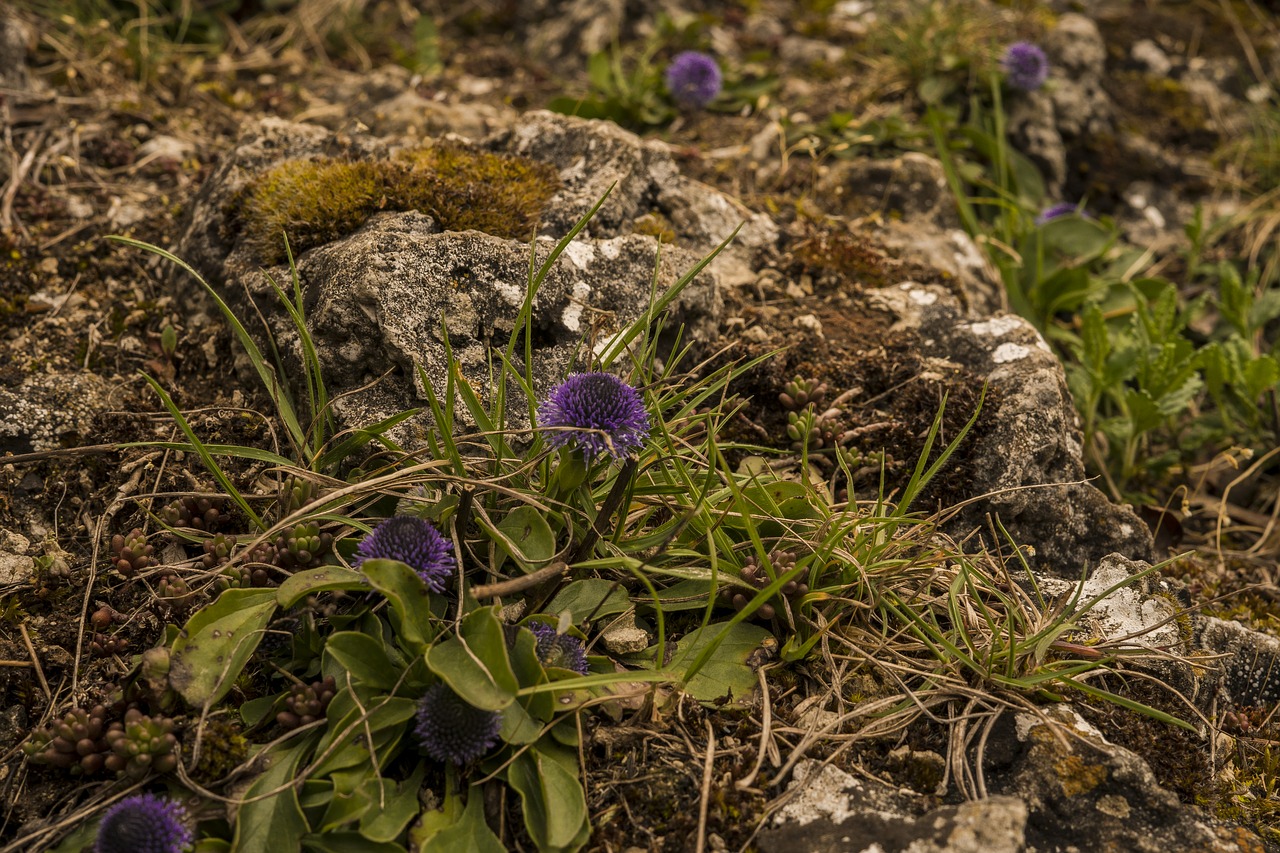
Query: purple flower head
x,y
143,823
450,729
410,540
693,79
559,650
603,415
1062,208
1025,66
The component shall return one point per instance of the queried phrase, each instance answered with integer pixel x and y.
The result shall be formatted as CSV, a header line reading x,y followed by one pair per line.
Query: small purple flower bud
x,y
603,414
1025,66
1062,208
143,823
450,729
693,79
559,650
414,541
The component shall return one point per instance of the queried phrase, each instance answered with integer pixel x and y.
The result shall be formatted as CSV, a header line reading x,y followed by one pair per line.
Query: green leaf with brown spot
x,y
323,579
217,642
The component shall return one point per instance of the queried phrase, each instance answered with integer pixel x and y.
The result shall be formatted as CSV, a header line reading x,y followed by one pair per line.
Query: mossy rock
x,y
319,200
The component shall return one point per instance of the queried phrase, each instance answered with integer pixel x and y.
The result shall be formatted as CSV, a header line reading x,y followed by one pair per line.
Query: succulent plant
x,y
217,550
302,545
800,393
76,743
307,703
140,744
254,571
753,573
197,513
815,431
131,553
103,645
295,493
173,589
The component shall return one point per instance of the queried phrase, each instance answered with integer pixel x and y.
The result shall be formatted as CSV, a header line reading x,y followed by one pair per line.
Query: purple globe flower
x,y
559,650
601,414
1025,66
1062,208
693,79
410,540
143,823
450,729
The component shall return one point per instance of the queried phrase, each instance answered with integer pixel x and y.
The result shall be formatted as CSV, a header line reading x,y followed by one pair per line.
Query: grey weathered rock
x,y
50,410
917,217
571,30
16,565
15,39
1084,793
1053,783
912,187
833,811
1247,671
1073,104
592,156
375,298
1028,465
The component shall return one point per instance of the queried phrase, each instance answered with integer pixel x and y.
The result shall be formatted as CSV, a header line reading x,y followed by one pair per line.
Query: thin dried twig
x,y
35,661
708,768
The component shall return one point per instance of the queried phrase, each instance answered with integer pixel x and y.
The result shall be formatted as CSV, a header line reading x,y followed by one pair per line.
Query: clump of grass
x,y
317,201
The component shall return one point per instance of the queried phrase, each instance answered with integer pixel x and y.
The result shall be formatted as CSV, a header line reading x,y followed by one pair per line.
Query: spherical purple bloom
x,y
559,650
143,823
1062,208
414,541
693,79
450,729
602,414
1025,66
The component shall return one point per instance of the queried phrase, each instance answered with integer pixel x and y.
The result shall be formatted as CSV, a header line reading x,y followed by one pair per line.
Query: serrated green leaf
x,y
323,579
217,642
1260,375
1144,414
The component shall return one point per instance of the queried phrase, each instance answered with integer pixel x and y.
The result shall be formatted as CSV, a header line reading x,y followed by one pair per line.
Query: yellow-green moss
x,y
655,225
317,201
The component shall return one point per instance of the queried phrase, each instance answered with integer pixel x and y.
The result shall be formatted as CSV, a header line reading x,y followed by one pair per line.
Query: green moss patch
x,y
317,201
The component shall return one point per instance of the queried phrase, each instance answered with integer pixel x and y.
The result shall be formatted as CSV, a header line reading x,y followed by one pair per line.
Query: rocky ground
x,y
852,261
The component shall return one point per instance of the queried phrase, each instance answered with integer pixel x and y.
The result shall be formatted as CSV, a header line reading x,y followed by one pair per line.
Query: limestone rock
x,y
1044,123
374,299
1084,793
1028,466
50,410
833,811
